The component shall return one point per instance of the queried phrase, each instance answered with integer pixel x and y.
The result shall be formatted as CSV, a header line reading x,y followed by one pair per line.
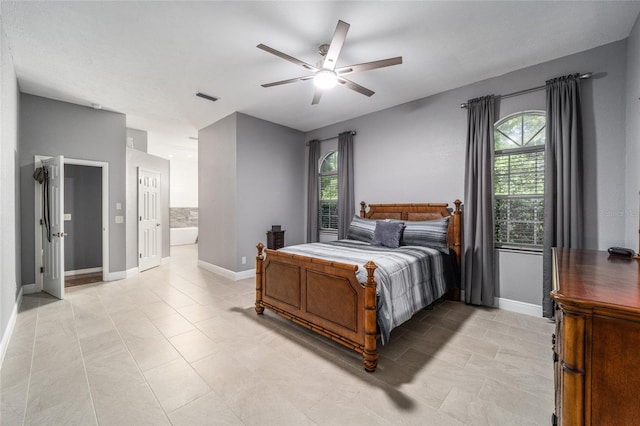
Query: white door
x,y
149,225
53,240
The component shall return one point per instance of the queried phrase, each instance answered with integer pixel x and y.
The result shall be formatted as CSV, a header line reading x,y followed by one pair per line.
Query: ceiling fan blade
x,y
316,96
354,86
291,80
369,66
336,45
286,57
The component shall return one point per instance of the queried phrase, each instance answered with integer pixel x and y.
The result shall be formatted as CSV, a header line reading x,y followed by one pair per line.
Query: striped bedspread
x,y
408,278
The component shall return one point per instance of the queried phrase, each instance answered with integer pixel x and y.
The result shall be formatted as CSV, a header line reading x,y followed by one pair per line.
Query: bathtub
x,y
180,236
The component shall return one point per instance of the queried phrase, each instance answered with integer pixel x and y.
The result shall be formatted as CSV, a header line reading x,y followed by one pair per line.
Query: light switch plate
x,y
118,206
119,219
67,216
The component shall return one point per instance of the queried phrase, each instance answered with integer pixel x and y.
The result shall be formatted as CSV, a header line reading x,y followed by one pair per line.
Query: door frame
x,y
105,214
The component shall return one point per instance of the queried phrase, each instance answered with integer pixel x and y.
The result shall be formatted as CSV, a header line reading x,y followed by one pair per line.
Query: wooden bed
x,y
326,297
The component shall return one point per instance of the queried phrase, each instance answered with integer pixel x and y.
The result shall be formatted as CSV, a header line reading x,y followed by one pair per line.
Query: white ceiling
x,y
148,59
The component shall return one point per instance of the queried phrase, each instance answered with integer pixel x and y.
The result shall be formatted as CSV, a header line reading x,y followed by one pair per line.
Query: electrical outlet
x,y
244,260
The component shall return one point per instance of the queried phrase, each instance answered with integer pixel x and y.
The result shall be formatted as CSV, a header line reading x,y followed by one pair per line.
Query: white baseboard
x,y
519,307
132,272
165,260
8,331
249,273
217,269
115,276
513,306
82,271
235,276
30,288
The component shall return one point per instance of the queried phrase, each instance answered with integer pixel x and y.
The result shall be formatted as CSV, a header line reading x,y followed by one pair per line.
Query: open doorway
x,y
49,243
82,224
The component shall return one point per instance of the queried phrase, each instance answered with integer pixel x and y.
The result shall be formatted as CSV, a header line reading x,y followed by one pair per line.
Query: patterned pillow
x,y
428,233
387,234
361,229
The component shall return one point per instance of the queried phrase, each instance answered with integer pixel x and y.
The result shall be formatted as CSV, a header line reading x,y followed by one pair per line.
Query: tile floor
x,y
180,345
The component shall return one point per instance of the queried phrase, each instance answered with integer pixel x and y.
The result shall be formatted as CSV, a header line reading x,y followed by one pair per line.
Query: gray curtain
x,y
346,199
478,259
563,202
313,192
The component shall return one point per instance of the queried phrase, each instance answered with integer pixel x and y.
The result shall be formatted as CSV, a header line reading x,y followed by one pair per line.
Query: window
x,y
519,179
328,213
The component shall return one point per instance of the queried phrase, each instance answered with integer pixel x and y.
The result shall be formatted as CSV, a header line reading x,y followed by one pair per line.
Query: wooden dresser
x,y
597,340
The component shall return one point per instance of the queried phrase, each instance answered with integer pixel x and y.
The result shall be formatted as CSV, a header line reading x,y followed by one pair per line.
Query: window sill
x,y
523,250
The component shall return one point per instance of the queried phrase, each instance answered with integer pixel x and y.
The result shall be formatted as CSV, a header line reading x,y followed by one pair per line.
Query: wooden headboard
x,y
425,211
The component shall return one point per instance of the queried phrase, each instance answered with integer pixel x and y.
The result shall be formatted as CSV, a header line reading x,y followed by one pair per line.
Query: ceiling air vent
x,y
205,96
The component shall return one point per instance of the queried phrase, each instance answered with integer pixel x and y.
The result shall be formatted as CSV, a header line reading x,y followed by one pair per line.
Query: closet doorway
x,y
82,224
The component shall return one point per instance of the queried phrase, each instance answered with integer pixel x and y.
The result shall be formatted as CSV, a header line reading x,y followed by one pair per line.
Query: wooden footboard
x,y
326,297
321,295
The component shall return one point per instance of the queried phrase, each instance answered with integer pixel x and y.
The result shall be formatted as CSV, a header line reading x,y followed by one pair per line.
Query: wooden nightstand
x,y
275,239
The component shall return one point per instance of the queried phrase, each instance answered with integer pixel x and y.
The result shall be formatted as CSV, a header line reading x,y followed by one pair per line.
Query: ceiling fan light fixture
x,y
325,75
325,79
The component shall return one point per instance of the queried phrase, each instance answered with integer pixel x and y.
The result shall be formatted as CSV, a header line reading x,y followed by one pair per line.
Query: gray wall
x,y
415,151
138,138
217,193
250,177
633,138
269,185
10,206
49,127
83,200
150,163
519,276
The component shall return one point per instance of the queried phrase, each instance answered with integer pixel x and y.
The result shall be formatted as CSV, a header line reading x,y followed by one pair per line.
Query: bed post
x,y
370,324
456,225
457,229
259,258
363,206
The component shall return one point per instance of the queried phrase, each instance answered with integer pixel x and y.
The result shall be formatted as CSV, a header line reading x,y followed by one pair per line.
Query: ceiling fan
x,y
325,74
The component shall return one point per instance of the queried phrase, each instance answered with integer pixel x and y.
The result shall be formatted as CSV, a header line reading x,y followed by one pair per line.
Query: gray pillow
x,y
361,229
387,234
428,233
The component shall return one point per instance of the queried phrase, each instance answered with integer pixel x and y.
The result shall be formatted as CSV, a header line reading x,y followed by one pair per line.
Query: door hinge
x,y
40,221
42,269
140,255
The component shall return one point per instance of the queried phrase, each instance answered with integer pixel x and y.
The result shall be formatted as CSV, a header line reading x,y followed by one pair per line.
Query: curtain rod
x,y
353,133
584,76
